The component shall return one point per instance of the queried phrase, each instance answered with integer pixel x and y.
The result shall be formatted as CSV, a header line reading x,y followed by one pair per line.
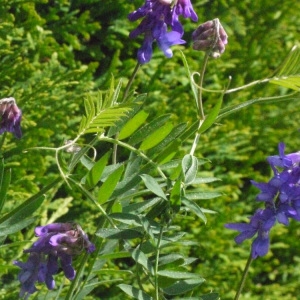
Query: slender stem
x,y
200,112
200,104
134,150
247,85
91,197
156,262
245,273
130,81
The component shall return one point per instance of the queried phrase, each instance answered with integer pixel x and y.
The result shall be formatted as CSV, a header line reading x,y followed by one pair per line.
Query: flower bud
x,y
10,116
210,37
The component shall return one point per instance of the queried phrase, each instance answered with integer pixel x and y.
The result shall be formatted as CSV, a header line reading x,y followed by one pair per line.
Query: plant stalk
x,y
245,273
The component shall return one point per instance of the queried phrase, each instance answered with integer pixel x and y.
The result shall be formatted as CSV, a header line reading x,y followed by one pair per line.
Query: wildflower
x,y
56,246
281,197
10,117
158,16
210,37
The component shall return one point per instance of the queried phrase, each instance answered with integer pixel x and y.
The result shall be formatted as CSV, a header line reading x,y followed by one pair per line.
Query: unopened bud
x,y
210,37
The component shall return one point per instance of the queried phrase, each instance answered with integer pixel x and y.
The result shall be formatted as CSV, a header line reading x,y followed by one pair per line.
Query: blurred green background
x,y
54,52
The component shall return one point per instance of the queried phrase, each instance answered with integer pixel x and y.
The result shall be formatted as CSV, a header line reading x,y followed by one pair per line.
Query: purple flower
x,y
56,246
11,117
260,223
281,197
210,37
282,160
158,16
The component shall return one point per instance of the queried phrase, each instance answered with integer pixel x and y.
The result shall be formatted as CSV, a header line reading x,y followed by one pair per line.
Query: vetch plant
x,y
135,180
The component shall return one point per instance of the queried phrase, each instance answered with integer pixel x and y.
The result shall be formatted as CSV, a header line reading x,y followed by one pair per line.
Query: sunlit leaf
x,y
94,174
133,124
109,185
156,137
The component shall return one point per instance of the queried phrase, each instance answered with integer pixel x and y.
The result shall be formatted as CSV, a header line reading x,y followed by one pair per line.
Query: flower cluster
x,y
158,16
281,196
211,37
10,117
55,248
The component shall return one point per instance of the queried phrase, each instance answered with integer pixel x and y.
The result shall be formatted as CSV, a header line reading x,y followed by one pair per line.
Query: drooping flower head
x,y
11,117
210,37
161,24
281,197
58,243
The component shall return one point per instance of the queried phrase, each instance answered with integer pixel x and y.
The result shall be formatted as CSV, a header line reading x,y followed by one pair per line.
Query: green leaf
x,y
175,196
148,129
211,117
290,82
101,114
21,216
129,219
210,296
177,274
94,174
156,137
168,140
133,124
141,206
117,234
195,208
153,186
183,286
140,257
291,64
11,226
5,177
134,292
189,168
109,185
135,105
235,108
169,152
202,195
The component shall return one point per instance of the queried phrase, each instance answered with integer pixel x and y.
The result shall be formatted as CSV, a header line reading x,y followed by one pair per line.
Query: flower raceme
x,y
11,117
58,243
158,16
281,197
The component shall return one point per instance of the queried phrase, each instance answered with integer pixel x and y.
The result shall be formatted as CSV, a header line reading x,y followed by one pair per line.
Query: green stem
x,y
246,85
242,282
156,263
200,112
130,81
134,150
91,197
201,115
98,243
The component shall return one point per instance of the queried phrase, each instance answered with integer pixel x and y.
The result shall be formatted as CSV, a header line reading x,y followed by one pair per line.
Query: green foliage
x,y
134,184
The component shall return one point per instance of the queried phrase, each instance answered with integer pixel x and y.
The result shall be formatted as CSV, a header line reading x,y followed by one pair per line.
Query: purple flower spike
x,y
281,197
11,117
161,24
58,243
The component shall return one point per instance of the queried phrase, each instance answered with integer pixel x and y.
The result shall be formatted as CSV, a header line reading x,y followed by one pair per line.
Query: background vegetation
x,y
54,53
